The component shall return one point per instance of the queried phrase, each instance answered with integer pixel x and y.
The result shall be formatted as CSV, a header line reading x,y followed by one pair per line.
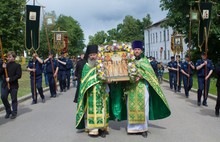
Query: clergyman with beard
x,y
92,107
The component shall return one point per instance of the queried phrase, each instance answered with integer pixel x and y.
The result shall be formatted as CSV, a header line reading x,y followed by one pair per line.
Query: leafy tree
x,y
177,17
74,33
99,38
12,25
131,29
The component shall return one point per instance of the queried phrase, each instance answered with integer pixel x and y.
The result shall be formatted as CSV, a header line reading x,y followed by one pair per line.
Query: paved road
x,y
54,122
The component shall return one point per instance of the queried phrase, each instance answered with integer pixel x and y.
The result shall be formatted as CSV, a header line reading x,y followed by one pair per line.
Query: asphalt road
x,y
54,121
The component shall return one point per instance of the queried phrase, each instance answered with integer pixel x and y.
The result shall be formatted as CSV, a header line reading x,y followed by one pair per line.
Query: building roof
x,y
157,23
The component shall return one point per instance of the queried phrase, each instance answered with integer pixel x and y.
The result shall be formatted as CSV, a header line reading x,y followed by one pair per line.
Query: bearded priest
x,y
145,100
93,100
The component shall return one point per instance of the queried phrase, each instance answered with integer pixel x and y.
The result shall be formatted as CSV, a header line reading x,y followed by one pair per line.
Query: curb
x,y
23,98
211,96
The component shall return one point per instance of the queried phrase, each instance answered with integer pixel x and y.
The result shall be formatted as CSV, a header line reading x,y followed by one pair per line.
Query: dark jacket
x,y
14,73
217,69
78,73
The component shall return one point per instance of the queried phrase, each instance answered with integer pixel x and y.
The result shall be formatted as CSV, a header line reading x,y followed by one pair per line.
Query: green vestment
x,y
93,101
158,106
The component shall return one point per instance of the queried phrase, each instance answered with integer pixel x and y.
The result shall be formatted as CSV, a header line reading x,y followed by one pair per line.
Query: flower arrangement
x,y
101,70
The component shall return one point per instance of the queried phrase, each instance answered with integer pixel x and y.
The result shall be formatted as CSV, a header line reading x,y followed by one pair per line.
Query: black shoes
x,y
144,134
199,104
13,116
34,102
204,104
7,115
102,133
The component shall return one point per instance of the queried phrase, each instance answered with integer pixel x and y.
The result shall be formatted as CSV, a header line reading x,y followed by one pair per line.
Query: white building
x,y
157,42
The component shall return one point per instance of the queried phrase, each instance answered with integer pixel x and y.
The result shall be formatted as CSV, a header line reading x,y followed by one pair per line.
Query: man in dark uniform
x,y
178,73
154,66
172,73
187,68
78,72
62,72
52,70
69,66
35,68
10,84
204,69
217,69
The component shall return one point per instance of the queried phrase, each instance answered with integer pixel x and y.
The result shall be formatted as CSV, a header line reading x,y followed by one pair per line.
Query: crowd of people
x,y
182,71
61,68
100,101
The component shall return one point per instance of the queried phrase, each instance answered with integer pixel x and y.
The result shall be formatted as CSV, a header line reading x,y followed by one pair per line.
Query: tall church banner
x,y
205,10
32,38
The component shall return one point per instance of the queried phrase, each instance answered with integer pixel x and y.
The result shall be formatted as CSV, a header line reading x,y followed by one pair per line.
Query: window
x,y
164,34
168,35
168,54
164,55
153,38
160,36
156,38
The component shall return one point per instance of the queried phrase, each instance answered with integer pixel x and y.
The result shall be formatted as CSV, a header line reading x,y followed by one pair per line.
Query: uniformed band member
x,y
217,69
172,73
154,66
204,69
69,66
62,72
52,70
187,68
178,73
36,69
14,73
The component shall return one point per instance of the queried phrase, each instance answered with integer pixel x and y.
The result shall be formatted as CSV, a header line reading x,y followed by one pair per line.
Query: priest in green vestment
x,y
93,100
145,99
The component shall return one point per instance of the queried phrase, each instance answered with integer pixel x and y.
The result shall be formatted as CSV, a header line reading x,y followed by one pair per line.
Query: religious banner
x,y
116,63
205,9
32,38
177,43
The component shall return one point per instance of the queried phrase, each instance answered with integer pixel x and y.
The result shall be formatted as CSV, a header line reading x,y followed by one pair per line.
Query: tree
x,y
74,32
177,17
11,24
131,29
99,38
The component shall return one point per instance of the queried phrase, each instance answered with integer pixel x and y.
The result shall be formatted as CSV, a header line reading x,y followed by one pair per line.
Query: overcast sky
x,y
97,15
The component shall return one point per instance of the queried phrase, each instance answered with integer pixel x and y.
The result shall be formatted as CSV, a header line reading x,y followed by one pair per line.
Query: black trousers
x,y
13,92
218,99
38,86
68,78
62,80
52,84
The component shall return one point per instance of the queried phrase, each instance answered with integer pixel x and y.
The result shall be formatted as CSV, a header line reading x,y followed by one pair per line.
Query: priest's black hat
x,y
137,44
90,49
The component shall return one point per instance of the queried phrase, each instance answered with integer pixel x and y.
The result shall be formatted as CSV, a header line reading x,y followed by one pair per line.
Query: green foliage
x,y
98,38
74,32
131,29
12,25
178,18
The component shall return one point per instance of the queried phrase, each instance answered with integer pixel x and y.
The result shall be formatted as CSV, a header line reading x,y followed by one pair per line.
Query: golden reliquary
x,y
115,60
